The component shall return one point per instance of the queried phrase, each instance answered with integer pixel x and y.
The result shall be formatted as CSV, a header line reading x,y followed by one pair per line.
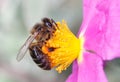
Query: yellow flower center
x,y
63,48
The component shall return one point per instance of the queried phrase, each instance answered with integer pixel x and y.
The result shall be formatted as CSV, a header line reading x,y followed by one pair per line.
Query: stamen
x,y
63,48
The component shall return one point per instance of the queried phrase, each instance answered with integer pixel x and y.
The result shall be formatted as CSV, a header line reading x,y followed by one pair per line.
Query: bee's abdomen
x,y
39,58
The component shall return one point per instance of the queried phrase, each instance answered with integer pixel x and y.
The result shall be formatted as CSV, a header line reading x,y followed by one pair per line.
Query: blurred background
x,y
16,20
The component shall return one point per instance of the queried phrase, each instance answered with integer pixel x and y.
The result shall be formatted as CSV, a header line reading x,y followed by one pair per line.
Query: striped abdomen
x,y
39,57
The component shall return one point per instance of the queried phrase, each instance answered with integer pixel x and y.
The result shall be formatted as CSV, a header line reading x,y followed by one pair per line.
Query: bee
x,y
50,45
40,34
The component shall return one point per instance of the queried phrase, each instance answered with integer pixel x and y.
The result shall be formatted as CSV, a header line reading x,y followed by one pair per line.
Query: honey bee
x,y
52,45
40,34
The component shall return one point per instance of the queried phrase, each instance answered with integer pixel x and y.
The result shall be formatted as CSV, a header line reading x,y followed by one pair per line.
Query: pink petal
x,y
74,76
101,25
90,70
101,29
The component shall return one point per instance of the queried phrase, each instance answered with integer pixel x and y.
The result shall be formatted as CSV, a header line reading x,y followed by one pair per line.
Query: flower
x,y
100,29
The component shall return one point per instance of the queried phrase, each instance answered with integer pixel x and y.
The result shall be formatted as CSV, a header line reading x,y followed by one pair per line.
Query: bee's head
x,y
46,25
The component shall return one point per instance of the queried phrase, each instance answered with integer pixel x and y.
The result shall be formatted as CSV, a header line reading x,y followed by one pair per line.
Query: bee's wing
x,y
25,46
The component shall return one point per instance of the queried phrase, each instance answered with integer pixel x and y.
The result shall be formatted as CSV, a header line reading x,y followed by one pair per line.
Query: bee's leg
x,y
53,22
39,57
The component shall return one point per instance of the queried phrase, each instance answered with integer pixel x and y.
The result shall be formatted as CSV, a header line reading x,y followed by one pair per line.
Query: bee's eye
x,y
47,22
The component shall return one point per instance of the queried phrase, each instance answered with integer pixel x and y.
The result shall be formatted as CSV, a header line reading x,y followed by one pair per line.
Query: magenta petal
x,y
102,25
74,76
101,30
90,70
